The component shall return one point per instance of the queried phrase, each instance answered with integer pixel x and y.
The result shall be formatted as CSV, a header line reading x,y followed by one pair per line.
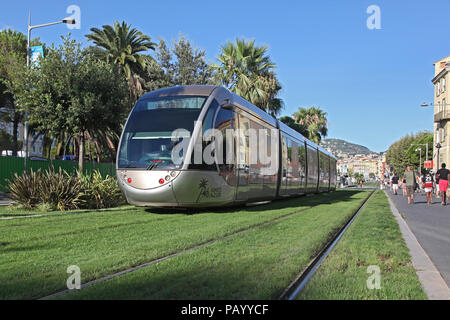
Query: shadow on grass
x,y
17,213
294,202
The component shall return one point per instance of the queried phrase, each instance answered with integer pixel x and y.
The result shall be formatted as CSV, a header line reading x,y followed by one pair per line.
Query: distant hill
x,y
342,148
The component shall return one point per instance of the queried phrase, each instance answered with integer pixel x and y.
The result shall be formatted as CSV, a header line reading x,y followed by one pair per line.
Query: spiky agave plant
x,y
24,189
61,190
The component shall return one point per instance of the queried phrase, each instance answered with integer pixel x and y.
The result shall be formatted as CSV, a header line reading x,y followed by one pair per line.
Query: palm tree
x,y
245,69
315,121
123,46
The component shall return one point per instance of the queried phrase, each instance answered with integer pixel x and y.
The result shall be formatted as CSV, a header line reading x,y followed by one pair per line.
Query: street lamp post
x,y
438,146
67,20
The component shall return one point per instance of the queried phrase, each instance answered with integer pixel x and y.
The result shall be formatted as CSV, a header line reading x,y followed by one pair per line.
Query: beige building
x,y
441,113
362,164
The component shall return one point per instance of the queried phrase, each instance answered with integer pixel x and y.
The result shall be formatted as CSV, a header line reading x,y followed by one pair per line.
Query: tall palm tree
x,y
315,121
123,46
247,70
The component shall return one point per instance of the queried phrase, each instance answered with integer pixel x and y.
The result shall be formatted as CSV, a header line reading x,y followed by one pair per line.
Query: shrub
x,y
25,189
62,191
100,192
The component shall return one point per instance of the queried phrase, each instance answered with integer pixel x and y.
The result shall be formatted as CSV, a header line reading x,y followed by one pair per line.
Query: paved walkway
x,y
431,227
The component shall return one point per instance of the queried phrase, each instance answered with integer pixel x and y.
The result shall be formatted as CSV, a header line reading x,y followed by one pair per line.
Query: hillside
x,y
342,148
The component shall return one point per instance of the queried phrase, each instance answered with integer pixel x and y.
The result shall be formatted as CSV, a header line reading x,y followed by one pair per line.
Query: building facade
x,y
441,149
363,164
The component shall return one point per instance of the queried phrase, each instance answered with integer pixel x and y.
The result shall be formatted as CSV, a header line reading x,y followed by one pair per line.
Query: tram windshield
x,y
146,141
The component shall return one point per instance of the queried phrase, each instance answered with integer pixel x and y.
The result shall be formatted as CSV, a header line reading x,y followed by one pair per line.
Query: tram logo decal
x,y
208,191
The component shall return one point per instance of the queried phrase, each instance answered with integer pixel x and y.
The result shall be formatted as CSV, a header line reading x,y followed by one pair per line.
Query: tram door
x,y
225,122
243,157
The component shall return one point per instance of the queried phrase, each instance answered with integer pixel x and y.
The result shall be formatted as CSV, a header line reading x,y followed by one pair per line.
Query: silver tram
x,y
148,176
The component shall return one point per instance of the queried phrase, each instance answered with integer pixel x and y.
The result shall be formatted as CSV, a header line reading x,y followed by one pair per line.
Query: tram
x,y
149,174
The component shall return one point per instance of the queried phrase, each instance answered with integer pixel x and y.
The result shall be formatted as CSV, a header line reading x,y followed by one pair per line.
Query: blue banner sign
x,y
36,52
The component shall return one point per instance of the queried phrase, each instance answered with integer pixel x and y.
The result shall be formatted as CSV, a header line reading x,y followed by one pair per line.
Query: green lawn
x,y
257,264
375,239
37,251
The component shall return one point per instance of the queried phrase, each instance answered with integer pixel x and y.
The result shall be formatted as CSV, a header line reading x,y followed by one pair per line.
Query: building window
x,y
438,88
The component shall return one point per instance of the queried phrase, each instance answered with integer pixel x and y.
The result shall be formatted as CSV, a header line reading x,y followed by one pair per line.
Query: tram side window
x,y
320,168
224,121
208,123
285,160
294,159
244,144
289,159
302,161
312,164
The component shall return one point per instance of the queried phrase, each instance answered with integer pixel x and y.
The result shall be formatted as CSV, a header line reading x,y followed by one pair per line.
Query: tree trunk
x,y
97,150
81,152
111,147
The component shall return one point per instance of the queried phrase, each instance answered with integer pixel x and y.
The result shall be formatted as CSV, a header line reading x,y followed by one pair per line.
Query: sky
x,y
370,82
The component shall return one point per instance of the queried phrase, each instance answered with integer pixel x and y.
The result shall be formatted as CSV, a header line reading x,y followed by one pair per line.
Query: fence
x,y
11,165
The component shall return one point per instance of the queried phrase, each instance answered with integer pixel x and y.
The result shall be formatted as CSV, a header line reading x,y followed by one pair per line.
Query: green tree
x,y
359,177
289,121
402,152
13,52
181,64
247,70
123,46
75,93
315,121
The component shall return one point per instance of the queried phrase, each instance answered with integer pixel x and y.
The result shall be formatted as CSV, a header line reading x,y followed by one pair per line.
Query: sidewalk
x,y
431,227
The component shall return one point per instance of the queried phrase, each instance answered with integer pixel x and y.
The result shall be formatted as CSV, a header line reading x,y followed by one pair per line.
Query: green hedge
x,y
11,165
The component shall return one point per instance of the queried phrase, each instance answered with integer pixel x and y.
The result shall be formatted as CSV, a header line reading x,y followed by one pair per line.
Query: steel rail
x,y
296,286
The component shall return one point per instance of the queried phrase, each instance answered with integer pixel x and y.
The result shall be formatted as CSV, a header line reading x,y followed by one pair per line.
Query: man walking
x,y
410,178
395,183
442,175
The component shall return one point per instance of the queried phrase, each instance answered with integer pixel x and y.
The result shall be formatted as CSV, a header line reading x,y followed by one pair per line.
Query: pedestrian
x,y
419,182
394,183
428,183
403,186
410,178
442,174
437,184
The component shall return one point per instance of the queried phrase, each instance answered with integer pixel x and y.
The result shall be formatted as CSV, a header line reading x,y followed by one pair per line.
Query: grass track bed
x,y
374,238
257,264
